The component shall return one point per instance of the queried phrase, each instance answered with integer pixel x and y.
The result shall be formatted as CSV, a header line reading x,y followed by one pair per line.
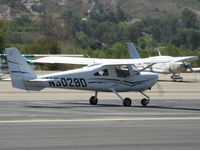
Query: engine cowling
x,y
178,67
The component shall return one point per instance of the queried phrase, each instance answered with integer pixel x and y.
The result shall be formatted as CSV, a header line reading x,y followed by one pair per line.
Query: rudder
x,y
19,69
132,51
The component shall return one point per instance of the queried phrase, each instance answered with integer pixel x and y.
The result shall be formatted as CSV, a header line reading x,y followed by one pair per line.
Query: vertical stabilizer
x,y
132,51
19,69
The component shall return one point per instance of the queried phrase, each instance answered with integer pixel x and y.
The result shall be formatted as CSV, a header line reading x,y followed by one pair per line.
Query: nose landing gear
x,y
145,101
94,100
176,78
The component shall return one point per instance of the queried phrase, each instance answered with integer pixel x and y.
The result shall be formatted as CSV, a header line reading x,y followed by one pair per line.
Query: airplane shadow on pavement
x,y
76,105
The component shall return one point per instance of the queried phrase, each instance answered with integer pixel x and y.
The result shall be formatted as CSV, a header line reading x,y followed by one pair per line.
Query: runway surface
x,y
63,119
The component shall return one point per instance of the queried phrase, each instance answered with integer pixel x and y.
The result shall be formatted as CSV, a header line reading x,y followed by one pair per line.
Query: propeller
x,y
187,66
159,89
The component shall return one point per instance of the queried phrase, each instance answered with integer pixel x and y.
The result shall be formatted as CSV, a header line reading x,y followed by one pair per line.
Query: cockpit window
x,y
3,60
102,73
122,71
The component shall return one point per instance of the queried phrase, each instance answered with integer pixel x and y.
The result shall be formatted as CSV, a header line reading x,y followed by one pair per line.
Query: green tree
x,y
118,50
17,4
188,19
172,50
71,24
146,45
187,38
51,27
121,16
134,31
45,46
3,30
23,20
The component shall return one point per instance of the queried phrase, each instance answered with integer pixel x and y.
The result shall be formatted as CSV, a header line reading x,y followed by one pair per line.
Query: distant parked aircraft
x,y
173,67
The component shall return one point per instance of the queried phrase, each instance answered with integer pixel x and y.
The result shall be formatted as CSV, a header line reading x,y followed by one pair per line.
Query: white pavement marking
x,y
100,119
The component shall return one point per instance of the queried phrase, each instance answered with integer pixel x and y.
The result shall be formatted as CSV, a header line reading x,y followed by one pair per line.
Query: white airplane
x,y
108,75
173,67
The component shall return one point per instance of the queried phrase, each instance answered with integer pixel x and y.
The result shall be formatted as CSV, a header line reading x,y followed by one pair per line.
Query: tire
x,y
127,102
93,100
144,102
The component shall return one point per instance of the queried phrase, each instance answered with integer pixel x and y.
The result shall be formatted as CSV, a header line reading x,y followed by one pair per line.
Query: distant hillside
x,y
158,8
10,9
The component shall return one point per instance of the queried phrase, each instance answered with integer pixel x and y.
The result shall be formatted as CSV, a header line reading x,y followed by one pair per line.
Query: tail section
x,y
158,50
132,51
19,69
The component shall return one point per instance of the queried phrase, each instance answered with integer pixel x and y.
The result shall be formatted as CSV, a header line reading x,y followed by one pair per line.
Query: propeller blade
x,y
159,89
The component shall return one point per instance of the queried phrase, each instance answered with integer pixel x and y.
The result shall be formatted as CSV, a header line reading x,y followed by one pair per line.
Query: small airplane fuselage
x,y
102,78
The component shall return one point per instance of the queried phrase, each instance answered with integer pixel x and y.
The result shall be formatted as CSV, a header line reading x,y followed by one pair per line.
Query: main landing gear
x,y
176,77
126,101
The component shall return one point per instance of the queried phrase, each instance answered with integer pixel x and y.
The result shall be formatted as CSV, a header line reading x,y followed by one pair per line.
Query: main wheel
x,y
93,100
127,102
177,78
144,102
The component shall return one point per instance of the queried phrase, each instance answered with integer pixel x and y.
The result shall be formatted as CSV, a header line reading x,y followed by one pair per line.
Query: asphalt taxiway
x,y
63,119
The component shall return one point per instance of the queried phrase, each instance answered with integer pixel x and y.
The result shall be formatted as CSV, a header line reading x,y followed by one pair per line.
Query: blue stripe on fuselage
x,y
20,72
3,67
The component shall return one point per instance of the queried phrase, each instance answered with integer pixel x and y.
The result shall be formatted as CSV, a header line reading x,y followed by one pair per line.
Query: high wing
x,y
194,70
92,61
64,60
134,55
52,55
185,58
175,59
48,55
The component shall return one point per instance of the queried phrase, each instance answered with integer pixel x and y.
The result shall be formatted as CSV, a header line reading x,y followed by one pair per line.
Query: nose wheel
x,y
145,101
94,100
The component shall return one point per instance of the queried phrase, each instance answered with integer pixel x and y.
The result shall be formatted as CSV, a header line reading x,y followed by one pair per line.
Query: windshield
x,y
122,71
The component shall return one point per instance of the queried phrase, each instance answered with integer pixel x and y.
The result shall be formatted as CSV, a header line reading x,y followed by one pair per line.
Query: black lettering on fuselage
x,y
83,82
64,82
68,82
58,83
51,84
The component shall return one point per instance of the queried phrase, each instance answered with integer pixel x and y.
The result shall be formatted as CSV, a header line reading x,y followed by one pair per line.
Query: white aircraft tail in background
x,y
132,51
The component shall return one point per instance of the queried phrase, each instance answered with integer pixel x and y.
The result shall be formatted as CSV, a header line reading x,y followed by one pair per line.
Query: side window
x,y
122,71
3,60
102,73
